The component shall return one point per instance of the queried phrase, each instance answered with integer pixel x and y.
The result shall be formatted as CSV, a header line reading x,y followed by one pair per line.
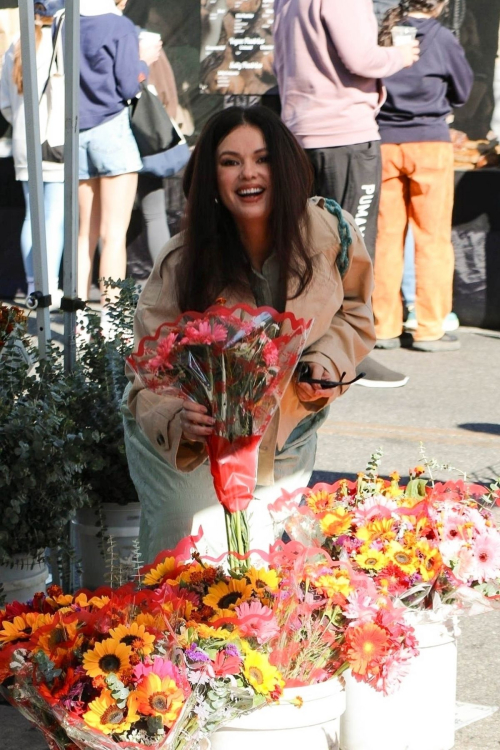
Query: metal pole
x,y
40,298
70,302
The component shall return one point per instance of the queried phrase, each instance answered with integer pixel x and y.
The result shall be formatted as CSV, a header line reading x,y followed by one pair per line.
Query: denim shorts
x,y
109,149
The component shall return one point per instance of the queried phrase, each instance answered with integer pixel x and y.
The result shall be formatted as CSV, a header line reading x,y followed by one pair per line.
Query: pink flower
x,y
486,556
394,669
377,506
256,620
163,352
360,609
226,664
161,667
270,354
204,332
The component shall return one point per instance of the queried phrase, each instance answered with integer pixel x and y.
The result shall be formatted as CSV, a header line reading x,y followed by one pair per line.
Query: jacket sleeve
x,y
128,68
158,415
354,36
351,335
5,102
460,74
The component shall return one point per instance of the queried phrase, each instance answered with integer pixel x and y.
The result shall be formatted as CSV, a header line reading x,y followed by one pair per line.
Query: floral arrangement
x,y
12,321
429,545
237,362
164,663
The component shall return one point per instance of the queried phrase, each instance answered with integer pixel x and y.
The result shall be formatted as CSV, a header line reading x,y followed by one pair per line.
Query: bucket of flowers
x,y
190,649
433,548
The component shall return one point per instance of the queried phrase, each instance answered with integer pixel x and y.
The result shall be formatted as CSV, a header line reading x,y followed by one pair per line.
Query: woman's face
x,y
244,174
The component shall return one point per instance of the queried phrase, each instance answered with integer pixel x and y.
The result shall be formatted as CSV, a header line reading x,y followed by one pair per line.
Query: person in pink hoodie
x,y
329,68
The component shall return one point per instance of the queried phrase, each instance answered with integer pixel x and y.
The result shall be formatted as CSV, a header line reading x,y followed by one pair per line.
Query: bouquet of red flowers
x,y
237,362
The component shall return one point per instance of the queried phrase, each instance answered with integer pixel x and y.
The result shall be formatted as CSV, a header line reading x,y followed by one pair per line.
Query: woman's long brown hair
x,y
17,68
214,257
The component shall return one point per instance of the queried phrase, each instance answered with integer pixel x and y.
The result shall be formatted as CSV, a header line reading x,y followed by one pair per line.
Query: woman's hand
x,y
313,392
149,50
195,422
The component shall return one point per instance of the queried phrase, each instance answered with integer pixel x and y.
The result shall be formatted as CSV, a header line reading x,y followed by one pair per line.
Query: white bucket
x,y
122,524
313,726
24,580
421,715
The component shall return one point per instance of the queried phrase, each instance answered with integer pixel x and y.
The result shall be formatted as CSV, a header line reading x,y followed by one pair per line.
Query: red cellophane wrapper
x,y
237,362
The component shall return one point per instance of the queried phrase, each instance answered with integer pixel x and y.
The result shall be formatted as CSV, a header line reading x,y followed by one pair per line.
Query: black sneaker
x,y
379,376
394,343
447,343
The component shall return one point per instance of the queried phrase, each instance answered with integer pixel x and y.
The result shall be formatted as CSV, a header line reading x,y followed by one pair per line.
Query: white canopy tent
x,y
40,299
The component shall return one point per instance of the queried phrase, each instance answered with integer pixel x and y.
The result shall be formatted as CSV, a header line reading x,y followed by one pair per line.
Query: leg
x,y
117,200
54,223
89,202
154,212
431,210
27,242
389,255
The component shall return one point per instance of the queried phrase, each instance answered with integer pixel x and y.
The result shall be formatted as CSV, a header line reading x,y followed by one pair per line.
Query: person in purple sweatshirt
x,y
329,64
417,178
112,65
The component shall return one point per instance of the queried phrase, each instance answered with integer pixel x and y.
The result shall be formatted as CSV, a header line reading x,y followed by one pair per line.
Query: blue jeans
x,y
53,200
408,285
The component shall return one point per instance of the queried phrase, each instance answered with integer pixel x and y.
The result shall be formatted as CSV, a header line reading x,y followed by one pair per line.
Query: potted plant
x,y
40,461
96,388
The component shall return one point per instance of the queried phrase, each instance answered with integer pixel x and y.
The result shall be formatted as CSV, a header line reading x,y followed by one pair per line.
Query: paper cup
x,y
150,37
403,35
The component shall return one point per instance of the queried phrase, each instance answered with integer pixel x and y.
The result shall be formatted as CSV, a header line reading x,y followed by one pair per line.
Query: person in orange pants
x,y
417,178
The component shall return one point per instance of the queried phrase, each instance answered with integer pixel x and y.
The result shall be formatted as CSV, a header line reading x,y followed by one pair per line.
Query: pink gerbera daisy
x,y
486,557
257,621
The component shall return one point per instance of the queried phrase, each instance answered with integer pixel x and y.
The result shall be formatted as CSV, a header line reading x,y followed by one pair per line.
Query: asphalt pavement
x,y
450,405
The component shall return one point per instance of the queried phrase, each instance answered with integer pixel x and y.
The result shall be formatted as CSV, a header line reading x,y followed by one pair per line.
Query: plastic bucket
x,y
24,579
313,726
122,524
373,721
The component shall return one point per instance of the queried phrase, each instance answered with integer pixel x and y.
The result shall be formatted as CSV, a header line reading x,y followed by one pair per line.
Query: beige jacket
x,y
341,336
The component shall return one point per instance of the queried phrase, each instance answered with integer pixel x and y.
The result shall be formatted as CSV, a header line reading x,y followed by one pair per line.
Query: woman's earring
x,y
217,200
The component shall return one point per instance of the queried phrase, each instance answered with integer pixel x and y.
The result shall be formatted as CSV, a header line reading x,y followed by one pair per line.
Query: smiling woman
x,y
251,236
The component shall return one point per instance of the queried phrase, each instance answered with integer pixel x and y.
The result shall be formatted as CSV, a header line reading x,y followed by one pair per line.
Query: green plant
x,y
41,481
97,385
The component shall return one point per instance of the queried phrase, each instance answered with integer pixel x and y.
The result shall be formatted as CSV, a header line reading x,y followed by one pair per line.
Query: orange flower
x,y
336,522
157,697
320,500
366,645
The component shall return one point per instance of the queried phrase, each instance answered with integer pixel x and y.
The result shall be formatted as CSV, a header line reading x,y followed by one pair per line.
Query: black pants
x,y
351,175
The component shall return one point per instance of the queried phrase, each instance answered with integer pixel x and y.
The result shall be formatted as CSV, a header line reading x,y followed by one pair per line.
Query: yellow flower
x,y
20,628
381,528
96,601
106,716
260,674
62,600
205,632
157,575
107,657
60,633
225,597
430,560
371,559
134,635
149,620
321,501
157,697
336,522
336,582
403,557
263,580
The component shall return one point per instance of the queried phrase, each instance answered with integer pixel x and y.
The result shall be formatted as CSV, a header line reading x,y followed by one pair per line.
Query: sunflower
x,y
107,657
205,632
336,522
371,559
321,501
61,633
381,528
367,644
260,674
263,581
134,635
336,582
403,557
431,561
98,602
224,597
156,576
106,716
21,627
157,697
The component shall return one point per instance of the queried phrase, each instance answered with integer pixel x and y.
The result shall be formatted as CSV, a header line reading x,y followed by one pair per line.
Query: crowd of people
x,y
365,113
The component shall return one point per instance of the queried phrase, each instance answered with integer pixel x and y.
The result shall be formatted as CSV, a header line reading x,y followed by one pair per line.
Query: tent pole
x,y
70,302
39,299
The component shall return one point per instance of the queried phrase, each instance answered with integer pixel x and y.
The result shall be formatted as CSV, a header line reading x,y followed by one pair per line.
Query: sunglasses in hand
x,y
305,377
